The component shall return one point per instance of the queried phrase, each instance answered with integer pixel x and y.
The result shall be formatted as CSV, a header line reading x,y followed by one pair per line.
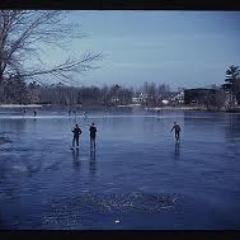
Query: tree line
x,y
17,91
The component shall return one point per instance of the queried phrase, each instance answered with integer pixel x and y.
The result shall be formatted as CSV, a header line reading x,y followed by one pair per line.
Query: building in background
x,y
178,98
197,96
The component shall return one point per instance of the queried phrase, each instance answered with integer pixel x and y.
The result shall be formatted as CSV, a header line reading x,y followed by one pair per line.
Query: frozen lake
x,y
138,178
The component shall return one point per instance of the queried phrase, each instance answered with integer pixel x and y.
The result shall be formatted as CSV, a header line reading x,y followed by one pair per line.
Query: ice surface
x,y
138,175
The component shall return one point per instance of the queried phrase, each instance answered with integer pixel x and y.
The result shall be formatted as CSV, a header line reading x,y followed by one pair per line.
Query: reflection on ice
x,y
177,150
92,162
76,159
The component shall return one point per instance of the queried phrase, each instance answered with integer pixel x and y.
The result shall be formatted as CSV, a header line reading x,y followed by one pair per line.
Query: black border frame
x,y
199,5
122,4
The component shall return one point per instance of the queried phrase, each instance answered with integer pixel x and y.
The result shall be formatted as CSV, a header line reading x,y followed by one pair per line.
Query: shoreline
x,y
129,106
174,108
21,106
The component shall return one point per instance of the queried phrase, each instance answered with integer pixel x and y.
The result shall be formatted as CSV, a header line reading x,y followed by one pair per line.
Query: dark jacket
x,y
176,128
92,131
77,131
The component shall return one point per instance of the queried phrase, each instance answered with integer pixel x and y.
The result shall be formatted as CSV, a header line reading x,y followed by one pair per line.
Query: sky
x,y
179,48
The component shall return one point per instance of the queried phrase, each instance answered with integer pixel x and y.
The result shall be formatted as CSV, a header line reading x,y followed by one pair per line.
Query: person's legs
x,y
177,136
90,142
77,140
94,144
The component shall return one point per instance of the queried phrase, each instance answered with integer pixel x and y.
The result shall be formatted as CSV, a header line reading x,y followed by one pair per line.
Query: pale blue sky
x,y
179,48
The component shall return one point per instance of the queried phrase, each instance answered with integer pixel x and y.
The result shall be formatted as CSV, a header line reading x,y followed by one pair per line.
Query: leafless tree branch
x,y
22,33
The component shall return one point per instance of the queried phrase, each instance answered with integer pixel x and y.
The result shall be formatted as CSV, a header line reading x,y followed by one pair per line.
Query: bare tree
x,y
233,79
214,99
23,35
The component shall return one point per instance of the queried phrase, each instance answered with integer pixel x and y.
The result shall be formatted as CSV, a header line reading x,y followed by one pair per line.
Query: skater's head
x,y
93,123
76,125
175,123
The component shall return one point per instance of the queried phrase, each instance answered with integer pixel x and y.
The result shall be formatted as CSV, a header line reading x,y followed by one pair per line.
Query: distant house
x,y
140,98
227,89
114,100
178,97
165,102
135,100
197,95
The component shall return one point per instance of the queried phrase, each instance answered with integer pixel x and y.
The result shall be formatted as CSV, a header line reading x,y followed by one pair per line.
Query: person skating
x,y
177,129
92,131
76,133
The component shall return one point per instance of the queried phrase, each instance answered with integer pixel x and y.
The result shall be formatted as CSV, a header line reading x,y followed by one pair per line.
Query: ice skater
x,y
34,113
24,111
92,131
177,129
76,133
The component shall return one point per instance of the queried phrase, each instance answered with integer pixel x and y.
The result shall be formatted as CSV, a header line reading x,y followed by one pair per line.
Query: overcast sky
x,y
179,48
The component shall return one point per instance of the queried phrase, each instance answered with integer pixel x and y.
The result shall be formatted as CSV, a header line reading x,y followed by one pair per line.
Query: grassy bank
x,y
20,106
